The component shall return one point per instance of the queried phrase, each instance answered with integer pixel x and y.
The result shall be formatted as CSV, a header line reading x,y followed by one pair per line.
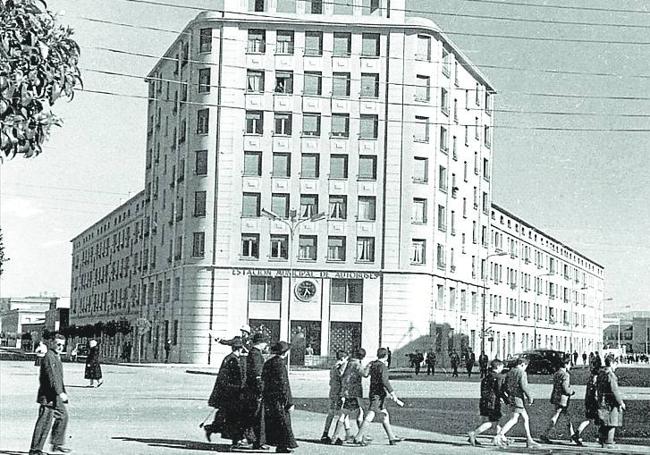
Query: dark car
x,y
540,361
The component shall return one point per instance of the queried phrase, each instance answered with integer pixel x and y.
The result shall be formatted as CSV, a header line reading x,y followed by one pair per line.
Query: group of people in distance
x,y
604,404
469,359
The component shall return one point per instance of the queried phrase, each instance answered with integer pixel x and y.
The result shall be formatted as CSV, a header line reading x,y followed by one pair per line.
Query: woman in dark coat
x,y
93,369
610,402
277,400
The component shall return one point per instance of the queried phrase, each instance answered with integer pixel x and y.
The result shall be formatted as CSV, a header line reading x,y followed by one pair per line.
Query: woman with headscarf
x,y
277,400
93,369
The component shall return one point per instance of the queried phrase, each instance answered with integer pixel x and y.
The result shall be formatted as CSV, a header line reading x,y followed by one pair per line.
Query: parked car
x,y
78,353
540,361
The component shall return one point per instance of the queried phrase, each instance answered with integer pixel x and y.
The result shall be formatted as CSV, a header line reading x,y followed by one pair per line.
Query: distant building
x,y
20,311
631,328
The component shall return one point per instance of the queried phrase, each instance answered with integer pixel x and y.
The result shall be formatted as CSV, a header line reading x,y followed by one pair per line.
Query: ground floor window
x,y
346,291
265,289
305,338
345,336
269,327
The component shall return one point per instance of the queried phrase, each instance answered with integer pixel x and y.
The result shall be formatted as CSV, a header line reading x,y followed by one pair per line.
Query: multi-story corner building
x,y
542,293
106,270
298,108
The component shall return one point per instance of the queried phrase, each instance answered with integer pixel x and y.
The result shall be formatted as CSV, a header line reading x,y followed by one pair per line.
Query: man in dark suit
x,y
253,391
52,398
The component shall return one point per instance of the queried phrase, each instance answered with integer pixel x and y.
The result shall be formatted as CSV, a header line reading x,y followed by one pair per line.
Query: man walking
x,y
52,399
469,363
417,361
483,364
253,391
168,349
351,394
336,402
431,363
455,360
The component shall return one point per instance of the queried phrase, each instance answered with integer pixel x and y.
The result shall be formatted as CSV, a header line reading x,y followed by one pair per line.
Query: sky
x,y
557,70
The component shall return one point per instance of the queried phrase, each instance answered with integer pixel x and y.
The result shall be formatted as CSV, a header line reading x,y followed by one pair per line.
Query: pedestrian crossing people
x,y
492,394
336,401
560,398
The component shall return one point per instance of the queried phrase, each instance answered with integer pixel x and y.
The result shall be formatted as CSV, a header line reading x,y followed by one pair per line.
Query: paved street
x,y
156,410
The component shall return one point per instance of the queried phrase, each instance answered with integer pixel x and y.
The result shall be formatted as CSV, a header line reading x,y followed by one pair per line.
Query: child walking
x,y
336,402
560,395
591,407
492,392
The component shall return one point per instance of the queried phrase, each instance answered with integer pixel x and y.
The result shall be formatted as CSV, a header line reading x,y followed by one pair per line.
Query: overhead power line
x,y
575,8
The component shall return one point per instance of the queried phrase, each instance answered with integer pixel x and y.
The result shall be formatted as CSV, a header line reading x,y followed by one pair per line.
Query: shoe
x,y
260,447
361,443
471,438
338,442
241,445
283,450
208,434
395,440
99,384
545,439
326,440
575,437
532,444
36,452
60,449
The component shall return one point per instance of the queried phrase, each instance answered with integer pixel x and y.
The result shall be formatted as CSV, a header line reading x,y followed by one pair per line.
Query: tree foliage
x,y
38,65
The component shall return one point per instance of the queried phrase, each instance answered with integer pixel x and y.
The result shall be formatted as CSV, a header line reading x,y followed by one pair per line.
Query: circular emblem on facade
x,y
305,290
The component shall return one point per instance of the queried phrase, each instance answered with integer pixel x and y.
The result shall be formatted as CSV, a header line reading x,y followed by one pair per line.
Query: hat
x,y
245,328
259,337
236,342
280,347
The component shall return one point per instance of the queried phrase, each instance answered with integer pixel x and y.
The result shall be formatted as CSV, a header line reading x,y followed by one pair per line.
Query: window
x,y
420,170
342,45
254,122
440,259
204,80
368,126
370,45
486,169
455,110
486,204
205,40
442,218
310,166
466,134
487,136
477,94
453,222
367,167
464,207
311,124
201,162
284,82
444,101
465,171
346,291
476,128
366,208
422,87
253,164
284,42
283,123
423,51
307,247
255,81
308,205
251,205
454,148
341,84
369,85
265,289
313,84
313,43
338,207
442,178
343,7
256,41
340,125
313,6
336,248
199,203
370,7
476,163
446,62
250,246
279,246
280,204
256,5
365,249
281,165
421,129
418,251
419,214
339,167
198,244
444,140
202,121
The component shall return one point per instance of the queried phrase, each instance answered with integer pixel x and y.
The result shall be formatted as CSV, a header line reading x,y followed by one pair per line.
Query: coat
x,y
591,402
379,383
351,380
561,388
50,379
226,396
609,398
492,392
93,369
516,386
277,401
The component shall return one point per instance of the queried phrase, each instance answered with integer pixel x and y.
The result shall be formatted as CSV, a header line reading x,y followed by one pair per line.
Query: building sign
x,y
322,274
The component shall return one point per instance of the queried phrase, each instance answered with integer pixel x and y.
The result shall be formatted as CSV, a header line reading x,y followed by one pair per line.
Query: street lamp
x,y
485,291
535,310
293,222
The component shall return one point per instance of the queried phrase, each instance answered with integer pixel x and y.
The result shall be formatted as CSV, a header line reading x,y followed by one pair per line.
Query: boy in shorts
x,y
516,385
336,402
560,399
492,393
351,395
380,388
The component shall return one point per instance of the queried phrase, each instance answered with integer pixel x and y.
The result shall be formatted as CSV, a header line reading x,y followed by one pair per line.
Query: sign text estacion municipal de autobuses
x,y
322,274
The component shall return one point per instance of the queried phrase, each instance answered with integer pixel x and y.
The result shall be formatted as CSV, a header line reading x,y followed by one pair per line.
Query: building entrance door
x,y
345,336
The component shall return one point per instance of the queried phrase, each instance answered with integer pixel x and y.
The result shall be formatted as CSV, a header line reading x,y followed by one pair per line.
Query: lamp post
x,y
293,222
535,309
485,290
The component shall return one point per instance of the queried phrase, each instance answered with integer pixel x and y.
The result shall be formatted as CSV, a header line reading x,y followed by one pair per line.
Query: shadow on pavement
x,y
177,444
